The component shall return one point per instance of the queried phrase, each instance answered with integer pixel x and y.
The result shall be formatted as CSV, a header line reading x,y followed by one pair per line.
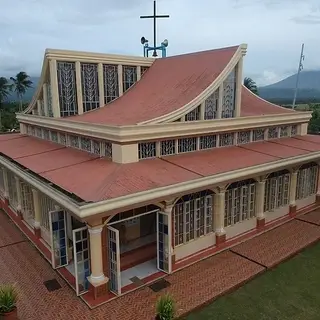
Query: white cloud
x,y
273,29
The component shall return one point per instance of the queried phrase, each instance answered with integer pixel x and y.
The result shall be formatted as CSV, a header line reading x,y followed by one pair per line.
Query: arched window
x,y
307,181
239,202
276,190
193,216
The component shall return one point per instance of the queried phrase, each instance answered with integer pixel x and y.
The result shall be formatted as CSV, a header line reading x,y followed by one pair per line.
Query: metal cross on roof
x,y
155,17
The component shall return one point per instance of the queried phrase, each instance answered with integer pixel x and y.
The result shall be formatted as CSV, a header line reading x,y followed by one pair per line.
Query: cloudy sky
x,y
273,29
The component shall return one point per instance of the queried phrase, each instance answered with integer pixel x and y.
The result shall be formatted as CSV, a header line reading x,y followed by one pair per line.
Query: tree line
x,y
17,85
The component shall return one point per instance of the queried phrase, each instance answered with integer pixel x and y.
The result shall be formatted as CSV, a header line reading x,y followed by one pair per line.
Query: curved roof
x,y
253,105
169,84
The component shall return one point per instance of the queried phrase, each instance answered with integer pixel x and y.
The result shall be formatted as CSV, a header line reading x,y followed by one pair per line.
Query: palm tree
x,y
5,88
20,85
251,85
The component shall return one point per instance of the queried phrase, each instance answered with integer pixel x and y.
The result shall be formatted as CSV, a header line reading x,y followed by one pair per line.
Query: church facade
x,y
129,168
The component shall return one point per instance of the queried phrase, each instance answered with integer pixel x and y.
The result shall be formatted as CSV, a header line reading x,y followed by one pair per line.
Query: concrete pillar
x,y
218,216
138,73
54,88
292,192
169,220
97,278
39,108
259,202
202,110
238,90
37,212
220,102
120,80
79,88
45,99
19,195
101,84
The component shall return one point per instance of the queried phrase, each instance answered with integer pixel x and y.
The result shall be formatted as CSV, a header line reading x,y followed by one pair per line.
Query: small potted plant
x,y
8,300
165,308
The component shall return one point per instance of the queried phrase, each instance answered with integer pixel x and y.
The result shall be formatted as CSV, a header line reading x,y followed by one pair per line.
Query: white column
x,y
260,191
238,87
37,209
45,99
120,80
39,108
138,73
101,85
202,110
54,88
168,210
79,88
293,187
19,193
220,102
5,182
218,214
97,276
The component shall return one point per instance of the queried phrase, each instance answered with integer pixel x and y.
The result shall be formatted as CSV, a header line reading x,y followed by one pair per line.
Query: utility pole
x,y
298,74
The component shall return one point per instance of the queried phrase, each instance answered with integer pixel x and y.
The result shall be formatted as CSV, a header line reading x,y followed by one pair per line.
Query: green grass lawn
x,y
290,291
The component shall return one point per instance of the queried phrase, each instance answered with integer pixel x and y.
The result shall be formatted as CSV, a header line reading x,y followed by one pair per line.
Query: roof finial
x,y
144,41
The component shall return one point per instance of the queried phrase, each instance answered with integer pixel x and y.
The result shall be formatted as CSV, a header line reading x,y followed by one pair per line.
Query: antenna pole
x,y
154,28
298,74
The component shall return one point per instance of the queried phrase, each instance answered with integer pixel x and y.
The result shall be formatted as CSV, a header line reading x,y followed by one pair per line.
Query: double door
x,y
163,251
60,249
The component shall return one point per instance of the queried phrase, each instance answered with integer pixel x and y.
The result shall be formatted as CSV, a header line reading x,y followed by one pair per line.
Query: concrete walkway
x,y
191,287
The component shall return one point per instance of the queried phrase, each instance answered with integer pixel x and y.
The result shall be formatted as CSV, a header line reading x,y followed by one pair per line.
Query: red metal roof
x,y
171,83
168,85
95,179
253,105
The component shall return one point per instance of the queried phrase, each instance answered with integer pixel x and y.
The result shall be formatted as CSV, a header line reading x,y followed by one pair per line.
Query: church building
x,y
129,168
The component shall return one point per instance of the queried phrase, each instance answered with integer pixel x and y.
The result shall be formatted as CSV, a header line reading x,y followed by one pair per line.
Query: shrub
x,y
8,298
165,308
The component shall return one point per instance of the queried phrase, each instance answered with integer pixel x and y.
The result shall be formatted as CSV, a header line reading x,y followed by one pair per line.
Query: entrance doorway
x,y
70,247
138,246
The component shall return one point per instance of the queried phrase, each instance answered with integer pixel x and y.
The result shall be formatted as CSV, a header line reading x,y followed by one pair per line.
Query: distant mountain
x,y
29,94
283,91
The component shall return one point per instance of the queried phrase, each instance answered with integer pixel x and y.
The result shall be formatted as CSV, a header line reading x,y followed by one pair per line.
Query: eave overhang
x,y
134,133
106,207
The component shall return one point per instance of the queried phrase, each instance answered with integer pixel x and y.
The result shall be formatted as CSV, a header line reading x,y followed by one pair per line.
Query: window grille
x,y
193,217
276,191
74,141
85,144
110,82
226,139
294,130
258,134
243,137
63,138
147,150
284,131
96,147
90,86
46,134
66,72
193,115
54,136
38,132
229,96
168,147
307,181
211,106
187,145
108,150
239,202
129,76
27,205
46,205
273,132
208,142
